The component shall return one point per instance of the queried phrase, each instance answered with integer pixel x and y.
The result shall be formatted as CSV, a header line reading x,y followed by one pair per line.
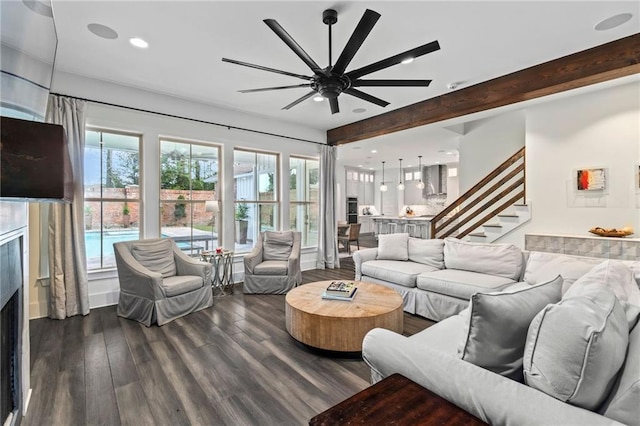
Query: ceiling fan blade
x,y
366,97
260,67
333,103
393,60
390,83
303,98
264,89
361,32
293,45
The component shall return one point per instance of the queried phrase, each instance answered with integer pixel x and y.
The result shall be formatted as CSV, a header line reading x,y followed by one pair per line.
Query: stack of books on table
x,y
340,290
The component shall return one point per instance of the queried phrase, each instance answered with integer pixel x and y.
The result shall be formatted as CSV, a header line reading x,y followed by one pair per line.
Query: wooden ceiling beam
x,y
609,61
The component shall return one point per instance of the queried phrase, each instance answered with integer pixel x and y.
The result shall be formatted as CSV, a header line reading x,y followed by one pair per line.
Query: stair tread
x,y
478,234
508,215
521,205
493,225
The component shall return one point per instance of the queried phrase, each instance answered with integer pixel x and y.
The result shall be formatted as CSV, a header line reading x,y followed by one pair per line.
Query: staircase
x,y
513,218
490,209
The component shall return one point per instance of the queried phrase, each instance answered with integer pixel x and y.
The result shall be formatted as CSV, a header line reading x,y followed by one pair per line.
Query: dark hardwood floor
x,y
233,363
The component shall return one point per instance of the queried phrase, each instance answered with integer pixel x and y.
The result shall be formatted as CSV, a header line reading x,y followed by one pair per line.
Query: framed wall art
x,y
591,179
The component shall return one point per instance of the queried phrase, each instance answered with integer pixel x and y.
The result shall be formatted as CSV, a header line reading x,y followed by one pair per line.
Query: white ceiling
x,y
479,40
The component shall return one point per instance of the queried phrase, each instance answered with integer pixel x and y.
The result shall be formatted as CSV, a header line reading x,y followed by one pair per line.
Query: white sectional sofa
x,y
558,351
436,278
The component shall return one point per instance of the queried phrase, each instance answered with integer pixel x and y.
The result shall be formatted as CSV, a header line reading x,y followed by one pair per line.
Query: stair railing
x,y
497,191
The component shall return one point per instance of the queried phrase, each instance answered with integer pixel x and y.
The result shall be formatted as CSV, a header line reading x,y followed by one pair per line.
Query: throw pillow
x,y
393,247
576,347
615,275
496,330
503,260
277,245
427,252
157,256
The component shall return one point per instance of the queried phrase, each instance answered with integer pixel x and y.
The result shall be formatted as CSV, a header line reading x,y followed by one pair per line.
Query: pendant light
x,y
420,184
383,187
401,185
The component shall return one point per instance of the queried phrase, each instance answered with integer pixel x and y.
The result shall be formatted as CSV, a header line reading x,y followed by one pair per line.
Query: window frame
x,y
102,200
190,202
277,196
307,203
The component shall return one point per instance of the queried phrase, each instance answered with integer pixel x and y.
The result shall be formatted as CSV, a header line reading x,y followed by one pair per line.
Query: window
x,y
256,197
304,198
188,179
111,194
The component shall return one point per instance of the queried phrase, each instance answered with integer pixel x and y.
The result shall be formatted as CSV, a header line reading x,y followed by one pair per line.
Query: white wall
x,y
600,129
597,129
486,144
103,285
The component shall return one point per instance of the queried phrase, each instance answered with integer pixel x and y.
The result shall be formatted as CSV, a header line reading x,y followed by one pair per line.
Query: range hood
x,y
34,162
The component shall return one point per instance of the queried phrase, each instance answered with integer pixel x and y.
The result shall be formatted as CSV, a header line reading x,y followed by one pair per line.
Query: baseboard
x,y
38,310
100,300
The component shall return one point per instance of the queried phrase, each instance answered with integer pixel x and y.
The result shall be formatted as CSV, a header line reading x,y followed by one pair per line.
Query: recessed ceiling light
x,y
613,21
103,31
318,98
374,151
409,165
370,168
359,165
138,42
359,110
407,61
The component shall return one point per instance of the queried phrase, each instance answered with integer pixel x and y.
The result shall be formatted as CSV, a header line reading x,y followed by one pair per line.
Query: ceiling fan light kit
x,y
332,81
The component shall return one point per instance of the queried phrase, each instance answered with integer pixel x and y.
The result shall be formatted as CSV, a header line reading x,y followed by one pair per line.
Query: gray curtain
x,y
69,285
327,229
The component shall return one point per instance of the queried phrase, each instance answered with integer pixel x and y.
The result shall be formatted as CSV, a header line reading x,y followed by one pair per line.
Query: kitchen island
x,y
415,226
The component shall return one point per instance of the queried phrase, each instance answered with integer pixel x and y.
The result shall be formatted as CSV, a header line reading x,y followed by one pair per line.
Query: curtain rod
x,y
229,127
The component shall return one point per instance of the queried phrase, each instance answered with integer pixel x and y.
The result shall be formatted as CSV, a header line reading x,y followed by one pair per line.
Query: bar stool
x,y
412,229
393,227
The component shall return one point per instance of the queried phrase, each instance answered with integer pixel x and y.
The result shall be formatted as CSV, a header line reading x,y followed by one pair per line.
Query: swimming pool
x,y
92,241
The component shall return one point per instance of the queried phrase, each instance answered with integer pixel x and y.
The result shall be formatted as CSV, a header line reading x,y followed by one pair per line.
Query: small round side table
x,y
222,274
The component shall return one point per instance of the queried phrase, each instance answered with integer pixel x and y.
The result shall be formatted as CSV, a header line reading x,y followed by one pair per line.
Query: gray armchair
x,y
158,282
273,266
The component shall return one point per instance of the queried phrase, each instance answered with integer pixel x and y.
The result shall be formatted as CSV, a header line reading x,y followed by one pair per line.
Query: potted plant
x,y
242,223
126,215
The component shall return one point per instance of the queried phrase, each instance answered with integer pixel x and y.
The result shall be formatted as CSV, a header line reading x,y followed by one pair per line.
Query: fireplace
x,y
14,328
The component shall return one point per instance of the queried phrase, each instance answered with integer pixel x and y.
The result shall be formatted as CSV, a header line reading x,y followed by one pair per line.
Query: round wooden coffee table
x,y
338,325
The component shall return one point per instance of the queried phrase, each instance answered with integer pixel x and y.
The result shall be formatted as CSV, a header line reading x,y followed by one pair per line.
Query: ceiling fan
x,y
331,81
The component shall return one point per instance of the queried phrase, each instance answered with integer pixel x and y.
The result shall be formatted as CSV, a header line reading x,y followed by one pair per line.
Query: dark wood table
x,y
395,400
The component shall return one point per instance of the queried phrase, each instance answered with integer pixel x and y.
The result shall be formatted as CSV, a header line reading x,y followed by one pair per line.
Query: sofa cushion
x,y
156,256
395,271
542,267
461,284
438,336
393,247
271,267
428,252
495,332
623,402
504,260
277,245
576,347
180,284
